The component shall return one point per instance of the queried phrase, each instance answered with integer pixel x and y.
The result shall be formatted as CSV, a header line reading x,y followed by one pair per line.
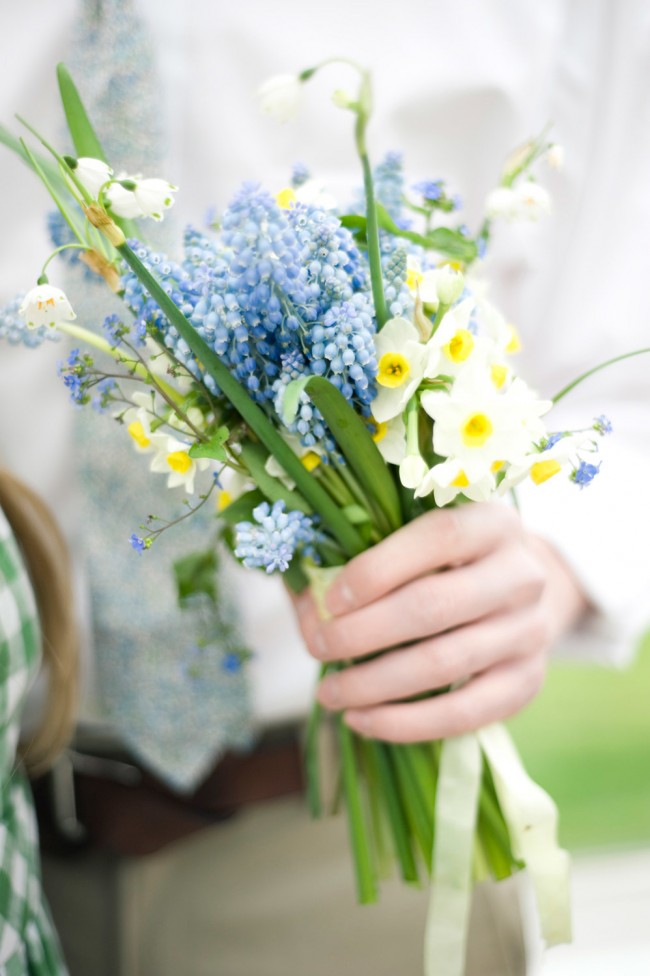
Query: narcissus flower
x,y
172,457
46,305
450,478
476,424
281,97
401,359
443,284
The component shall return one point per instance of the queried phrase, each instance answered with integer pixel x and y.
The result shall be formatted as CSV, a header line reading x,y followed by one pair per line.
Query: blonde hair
x,y
46,557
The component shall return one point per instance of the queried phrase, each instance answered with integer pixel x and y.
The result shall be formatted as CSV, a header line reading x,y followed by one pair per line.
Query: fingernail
x,y
340,598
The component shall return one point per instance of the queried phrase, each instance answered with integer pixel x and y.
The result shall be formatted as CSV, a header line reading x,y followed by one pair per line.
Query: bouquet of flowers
x,y
328,376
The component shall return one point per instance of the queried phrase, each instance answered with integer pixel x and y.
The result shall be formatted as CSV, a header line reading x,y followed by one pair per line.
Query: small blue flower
x,y
138,544
103,396
299,175
602,425
585,473
430,189
231,663
552,440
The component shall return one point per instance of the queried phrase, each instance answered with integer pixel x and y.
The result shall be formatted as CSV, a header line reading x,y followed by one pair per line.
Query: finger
x,y
446,537
507,578
438,662
489,697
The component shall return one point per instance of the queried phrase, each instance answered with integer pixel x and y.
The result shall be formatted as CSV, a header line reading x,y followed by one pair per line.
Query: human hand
x,y
466,597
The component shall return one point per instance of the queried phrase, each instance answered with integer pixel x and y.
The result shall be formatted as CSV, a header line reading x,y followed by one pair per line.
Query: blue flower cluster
x,y
75,373
272,541
14,329
278,294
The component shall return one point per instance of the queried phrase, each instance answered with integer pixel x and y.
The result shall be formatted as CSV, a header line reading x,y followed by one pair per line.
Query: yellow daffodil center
x,y
499,374
310,461
179,461
413,278
514,342
393,369
137,432
461,480
378,431
285,198
224,499
460,347
544,470
477,430
496,466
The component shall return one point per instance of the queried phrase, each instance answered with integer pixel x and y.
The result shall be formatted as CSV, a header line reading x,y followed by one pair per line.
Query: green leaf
x,y
254,457
196,573
356,515
291,401
241,510
213,448
357,446
444,240
83,135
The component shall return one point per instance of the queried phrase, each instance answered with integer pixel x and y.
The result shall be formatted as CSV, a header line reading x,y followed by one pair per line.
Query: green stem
x,y
92,339
364,870
372,234
596,369
64,247
378,752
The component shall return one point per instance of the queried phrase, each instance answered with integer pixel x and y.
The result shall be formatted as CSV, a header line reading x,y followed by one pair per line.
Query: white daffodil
x,y
172,457
401,359
414,273
480,426
540,466
46,305
412,470
390,438
310,457
281,97
137,421
92,173
443,284
525,200
452,344
450,478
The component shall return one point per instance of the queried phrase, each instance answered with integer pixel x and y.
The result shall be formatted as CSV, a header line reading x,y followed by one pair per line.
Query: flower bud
x,y
281,97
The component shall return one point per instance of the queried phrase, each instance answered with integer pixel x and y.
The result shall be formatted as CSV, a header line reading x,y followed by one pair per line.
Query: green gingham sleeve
x,y
28,943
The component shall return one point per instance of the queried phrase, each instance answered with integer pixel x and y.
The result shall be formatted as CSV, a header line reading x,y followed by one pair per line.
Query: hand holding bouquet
x,y
337,377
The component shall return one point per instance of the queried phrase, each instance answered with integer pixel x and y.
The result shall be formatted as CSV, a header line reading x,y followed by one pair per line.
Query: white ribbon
x,y
459,780
532,818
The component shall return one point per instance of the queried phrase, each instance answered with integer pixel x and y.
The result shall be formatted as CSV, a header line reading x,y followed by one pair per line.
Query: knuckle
x,y
431,605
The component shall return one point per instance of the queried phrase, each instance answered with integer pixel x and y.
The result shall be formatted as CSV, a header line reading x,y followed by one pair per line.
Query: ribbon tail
x,y
532,818
455,827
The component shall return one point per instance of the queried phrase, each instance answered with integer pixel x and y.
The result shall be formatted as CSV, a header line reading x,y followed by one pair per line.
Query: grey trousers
x,y
268,893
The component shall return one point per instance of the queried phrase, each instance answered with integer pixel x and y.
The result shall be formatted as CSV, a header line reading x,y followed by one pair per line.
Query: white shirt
x,y
457,86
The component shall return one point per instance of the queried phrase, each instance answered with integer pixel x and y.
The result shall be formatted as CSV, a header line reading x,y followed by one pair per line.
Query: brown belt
x,y
141,817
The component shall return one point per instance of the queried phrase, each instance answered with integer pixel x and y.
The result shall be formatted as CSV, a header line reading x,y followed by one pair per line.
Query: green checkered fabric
x,y
28,943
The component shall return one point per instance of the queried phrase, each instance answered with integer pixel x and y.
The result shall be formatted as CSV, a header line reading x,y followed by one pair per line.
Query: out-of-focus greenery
x,y
586,740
